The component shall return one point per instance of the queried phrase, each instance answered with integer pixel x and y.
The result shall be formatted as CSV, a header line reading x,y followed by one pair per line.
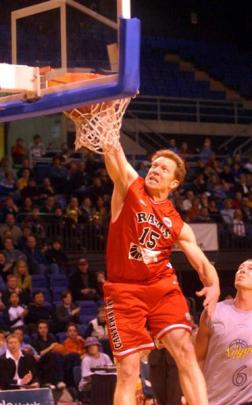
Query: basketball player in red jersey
x,y
142,295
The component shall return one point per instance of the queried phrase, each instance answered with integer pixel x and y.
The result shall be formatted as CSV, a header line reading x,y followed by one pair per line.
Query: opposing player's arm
x,y
120,171
202,339
201,264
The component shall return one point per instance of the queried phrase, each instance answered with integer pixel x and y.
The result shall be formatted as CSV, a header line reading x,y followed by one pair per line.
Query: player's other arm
x,y
202,339
201,264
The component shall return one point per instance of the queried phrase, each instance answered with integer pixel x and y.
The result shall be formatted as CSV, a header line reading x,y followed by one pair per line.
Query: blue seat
x,y
86,318
61,336
56,293
39,281
58,280
88,307
82,328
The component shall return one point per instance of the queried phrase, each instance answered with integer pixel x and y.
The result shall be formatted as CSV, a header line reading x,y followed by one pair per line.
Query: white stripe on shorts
x,y
174,326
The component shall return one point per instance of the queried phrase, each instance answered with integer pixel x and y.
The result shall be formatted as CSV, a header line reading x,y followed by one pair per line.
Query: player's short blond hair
x,y
180,171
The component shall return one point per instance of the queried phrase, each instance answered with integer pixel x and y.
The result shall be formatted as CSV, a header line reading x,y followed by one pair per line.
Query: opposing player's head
x,y
166,173
243,276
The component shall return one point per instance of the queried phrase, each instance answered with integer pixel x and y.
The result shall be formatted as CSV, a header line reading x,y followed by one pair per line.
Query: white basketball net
x,y
98,125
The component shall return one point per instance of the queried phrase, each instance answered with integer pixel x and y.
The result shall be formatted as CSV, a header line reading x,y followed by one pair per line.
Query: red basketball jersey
x,y
140,240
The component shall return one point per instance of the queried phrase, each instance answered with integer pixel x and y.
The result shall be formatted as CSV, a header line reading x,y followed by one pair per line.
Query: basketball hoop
x,y
98,125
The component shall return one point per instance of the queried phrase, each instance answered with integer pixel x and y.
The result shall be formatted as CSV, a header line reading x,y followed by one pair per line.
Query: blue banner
x,y
41,396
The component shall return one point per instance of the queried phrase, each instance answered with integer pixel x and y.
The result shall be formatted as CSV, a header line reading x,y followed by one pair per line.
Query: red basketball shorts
x,y
136,313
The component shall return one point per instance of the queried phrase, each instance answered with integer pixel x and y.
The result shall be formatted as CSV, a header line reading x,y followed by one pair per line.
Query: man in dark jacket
x,y
17,369
83,283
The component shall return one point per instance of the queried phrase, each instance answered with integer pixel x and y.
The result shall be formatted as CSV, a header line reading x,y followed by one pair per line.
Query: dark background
x,y
216,19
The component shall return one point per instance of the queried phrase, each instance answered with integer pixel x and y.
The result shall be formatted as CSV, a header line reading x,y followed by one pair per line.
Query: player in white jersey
x,y
224,345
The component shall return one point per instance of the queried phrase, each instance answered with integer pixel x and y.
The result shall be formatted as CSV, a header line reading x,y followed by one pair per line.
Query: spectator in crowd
x,y
15,313
92,163
36,149
246,211
18,151
58,219
100,278
239,228
184,150
227,213
214,212
206,153
227,175
79,180
203,216
10,229
242,185
25,165
101,211
24,282
83,283
93,358
172,145
96,189
188,201
56,257
5,268
73,211
39,309
199,184
67,311
35,257
87,210
225,339
237,200
31,190
16,368
23,181
26,232
4,166
50,205
9,207
74,343
248,166
58,174
7,183
50,365
25,347
74,350
3,345
97,327
26,208
46,190
36,222
107,183
12,287
194,211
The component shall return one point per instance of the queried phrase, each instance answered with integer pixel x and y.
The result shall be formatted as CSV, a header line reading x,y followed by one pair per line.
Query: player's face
x,y
243,277
161,175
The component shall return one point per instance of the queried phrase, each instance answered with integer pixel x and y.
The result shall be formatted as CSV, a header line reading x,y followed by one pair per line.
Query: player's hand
x,y
211,294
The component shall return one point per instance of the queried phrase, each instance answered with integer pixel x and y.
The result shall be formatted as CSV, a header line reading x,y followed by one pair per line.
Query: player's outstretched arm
x,y
119,169
204,268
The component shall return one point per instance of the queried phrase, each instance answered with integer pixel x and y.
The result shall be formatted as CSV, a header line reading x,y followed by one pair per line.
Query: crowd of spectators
x,y
54,305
